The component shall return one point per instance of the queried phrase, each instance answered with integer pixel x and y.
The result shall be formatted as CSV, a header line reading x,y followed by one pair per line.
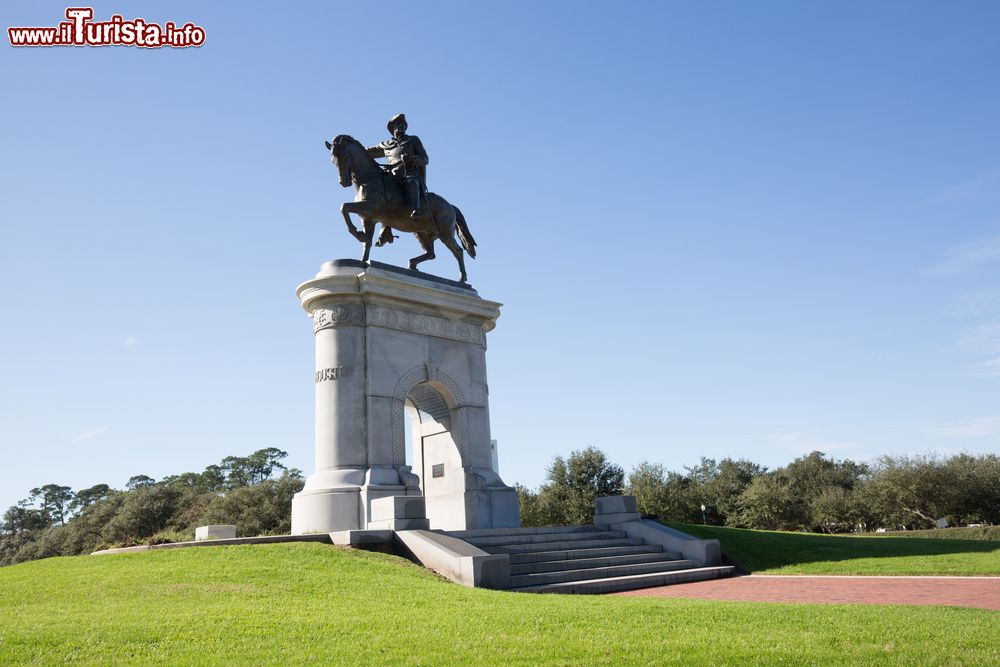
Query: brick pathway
x,y
981,592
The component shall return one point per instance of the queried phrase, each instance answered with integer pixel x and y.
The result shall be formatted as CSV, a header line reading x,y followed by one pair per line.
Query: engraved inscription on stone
x,y
325,374
437,470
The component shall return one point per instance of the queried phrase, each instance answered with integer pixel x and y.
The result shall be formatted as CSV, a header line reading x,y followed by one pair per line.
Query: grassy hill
x,y
775,552
313,603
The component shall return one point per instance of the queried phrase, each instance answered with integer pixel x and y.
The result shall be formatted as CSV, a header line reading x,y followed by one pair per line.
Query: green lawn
x,y
774,552
317,604
958,533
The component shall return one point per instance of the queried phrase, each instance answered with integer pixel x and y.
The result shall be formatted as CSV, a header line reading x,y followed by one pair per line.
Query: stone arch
x,y
452,395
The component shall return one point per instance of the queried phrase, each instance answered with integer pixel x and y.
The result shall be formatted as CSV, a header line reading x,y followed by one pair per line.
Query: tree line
x,y
812,493
253,492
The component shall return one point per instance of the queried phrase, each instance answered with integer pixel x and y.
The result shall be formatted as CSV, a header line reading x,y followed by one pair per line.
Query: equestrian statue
x,y
395,194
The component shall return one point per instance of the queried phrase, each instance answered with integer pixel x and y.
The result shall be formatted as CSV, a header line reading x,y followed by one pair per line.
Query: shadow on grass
x,y
757,550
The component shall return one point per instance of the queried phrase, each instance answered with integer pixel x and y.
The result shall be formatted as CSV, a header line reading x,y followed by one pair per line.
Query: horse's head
x,y
341,158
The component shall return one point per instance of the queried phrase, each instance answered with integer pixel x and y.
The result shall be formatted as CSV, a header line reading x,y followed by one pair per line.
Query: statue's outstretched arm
x,y
376,151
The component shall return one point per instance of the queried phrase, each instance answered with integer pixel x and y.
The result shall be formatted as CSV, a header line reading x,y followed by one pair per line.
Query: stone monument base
x,y
342,500
396,346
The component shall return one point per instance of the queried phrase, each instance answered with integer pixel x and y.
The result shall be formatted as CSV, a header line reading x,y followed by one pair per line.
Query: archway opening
x,y
431,450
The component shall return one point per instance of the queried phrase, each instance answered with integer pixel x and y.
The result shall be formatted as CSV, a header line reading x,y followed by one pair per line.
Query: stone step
x,y
581,563
540,578
492,532
534,538
632,582
562,546
569,554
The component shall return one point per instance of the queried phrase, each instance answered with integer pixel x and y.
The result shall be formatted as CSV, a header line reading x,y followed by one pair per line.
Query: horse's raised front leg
x,y
346,209
367,237
427,243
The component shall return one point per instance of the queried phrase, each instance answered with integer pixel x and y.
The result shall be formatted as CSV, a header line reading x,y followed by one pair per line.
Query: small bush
x,y
169,537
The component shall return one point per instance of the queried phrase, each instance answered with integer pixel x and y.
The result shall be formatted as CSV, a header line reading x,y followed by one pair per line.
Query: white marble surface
x,y
380,333
215,532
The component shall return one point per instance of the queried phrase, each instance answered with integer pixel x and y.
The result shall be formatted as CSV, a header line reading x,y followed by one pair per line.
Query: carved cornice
x,y
354,283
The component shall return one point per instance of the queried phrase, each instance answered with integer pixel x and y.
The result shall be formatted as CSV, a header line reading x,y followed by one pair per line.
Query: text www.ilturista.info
x,y
79,30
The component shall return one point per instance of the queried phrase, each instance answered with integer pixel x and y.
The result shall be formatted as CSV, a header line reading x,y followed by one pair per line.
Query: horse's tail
x,y
464,235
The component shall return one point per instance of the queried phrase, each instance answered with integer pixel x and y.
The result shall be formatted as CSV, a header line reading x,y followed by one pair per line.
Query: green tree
x,y
54,500
567,497
833,509
797,487
768,504
89,496
264,462
23,518
531,514
144,512
648,483
246,470
213,478
977,485
263,508
914,491
809,475
89,529
683,500
138,482
13,545
718,486
185,480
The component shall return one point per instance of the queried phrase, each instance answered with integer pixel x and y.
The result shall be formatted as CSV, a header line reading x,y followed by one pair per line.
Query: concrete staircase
x,y
585,559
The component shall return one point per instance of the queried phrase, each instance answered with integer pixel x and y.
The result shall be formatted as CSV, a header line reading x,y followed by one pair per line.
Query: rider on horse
x,y
407,162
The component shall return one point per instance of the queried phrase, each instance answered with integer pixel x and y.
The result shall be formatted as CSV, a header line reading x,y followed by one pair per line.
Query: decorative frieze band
x,y
430,325
340,315
356,314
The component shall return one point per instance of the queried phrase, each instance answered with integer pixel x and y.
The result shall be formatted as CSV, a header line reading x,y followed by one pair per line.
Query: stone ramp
x,y
585,559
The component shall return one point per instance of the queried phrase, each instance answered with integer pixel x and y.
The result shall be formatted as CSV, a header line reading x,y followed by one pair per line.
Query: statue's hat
x,y
398,118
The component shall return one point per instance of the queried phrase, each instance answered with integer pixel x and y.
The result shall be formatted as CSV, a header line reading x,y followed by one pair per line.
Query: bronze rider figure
x,y
407,162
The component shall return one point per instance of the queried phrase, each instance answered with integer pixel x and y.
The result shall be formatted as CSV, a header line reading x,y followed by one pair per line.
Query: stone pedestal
x,y
399,513
394,345
215,532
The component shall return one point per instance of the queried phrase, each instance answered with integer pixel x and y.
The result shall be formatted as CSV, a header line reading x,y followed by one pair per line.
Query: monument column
x,y
340,386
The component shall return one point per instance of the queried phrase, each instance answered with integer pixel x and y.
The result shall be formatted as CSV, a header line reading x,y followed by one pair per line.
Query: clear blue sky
x,y
720,229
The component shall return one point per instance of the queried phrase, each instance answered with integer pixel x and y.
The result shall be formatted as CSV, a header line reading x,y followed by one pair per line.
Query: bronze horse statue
x,y
380,198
